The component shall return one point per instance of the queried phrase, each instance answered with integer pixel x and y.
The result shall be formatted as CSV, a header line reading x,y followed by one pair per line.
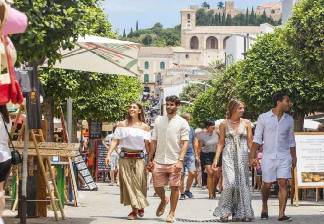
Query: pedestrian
x,y
5,154
113,162
169,145
275,129
235,141
132,136
189,163
208,141
198,176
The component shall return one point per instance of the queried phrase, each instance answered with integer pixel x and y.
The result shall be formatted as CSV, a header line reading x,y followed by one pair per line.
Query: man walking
x,y
169,145
189,163
275,129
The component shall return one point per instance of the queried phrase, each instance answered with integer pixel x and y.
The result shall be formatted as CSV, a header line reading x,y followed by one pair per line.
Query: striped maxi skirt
x,y
133,182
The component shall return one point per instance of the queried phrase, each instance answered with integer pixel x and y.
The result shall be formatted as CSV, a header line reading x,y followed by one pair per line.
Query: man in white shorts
x,y
276,130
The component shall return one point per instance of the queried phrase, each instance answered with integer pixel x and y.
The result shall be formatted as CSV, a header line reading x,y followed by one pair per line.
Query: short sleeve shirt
x,y
169,133
209,142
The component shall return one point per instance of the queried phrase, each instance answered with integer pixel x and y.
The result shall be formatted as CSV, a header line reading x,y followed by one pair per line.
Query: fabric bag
x,y
15,155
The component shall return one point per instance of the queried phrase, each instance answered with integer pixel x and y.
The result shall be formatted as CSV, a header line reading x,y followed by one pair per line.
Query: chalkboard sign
x,y
95,129
101,155
84,172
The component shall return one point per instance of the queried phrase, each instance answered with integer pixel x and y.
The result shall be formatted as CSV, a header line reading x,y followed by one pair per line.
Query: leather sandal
x,y
160,210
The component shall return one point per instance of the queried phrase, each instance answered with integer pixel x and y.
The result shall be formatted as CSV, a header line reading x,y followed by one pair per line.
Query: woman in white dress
x,y
132,136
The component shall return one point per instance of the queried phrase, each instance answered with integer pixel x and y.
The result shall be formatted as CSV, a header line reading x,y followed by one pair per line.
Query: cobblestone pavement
x,y
103,207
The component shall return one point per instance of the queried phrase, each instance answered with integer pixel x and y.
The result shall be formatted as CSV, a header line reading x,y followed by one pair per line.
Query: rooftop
x,y
155,51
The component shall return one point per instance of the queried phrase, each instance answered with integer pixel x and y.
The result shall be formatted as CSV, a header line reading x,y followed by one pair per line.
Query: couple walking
x,y
166,153
275,131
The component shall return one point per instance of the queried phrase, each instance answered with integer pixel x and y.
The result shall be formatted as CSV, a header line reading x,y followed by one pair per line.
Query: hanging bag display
x,y
13,21
15,155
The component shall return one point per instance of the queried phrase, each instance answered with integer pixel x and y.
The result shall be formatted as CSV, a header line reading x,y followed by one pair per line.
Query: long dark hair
x,y
4,113
140,115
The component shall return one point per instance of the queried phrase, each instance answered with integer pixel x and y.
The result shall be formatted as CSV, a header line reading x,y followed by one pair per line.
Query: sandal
x,y
285,219
132,216
170,218
141,212
223,219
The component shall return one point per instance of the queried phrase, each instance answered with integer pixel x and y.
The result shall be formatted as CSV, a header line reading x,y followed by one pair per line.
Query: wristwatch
x,y
181,160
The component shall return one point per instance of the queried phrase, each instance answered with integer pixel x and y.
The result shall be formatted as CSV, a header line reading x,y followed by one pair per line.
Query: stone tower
x,y
188,23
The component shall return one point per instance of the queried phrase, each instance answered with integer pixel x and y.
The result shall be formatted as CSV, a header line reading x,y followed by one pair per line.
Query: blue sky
x,y
124,13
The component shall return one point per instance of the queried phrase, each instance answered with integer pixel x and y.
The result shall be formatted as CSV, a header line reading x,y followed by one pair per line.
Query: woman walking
x,y
5,154
207,143
132,136
234,143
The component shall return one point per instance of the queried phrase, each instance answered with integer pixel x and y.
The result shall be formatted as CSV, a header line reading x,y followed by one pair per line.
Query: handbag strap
x,y
10,140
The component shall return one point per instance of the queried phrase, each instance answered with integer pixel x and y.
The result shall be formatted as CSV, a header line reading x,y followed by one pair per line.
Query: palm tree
x,y
220,5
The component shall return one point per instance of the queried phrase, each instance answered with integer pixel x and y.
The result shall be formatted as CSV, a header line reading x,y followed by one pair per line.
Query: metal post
x,y
23,202
69,118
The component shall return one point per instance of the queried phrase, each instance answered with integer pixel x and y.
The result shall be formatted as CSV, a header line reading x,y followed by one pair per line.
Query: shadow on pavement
x,y
11,220
125,218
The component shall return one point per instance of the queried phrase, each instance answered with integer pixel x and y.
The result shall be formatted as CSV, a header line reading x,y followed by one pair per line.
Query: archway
x,y
194,42
224,42
211,43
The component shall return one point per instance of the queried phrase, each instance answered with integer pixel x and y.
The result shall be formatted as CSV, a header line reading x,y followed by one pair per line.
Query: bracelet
x,y
181,160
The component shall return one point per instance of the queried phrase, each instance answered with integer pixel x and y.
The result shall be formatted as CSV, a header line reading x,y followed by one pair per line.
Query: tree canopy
x,y
305,35
55,25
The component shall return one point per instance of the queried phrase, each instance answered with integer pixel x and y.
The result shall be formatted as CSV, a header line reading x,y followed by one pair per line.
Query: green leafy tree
x,y
52,26
137,25
124,34
247,17
223,19
212,104
147,40
305,35
205,5
271,66
229,21
220,5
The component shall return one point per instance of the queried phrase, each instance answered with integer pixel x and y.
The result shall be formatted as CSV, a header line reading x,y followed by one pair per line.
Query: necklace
x,y
235,122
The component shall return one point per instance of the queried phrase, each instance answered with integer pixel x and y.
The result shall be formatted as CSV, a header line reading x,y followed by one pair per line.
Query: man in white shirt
x,y
168,147
275,129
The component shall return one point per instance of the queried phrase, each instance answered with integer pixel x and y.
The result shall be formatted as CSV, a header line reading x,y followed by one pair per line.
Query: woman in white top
x,y
133,137
5,154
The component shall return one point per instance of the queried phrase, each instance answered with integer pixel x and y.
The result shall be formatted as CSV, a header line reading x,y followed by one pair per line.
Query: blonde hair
x,y
232,107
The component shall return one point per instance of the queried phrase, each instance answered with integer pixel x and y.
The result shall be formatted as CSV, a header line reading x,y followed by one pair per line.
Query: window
x,y
212,43
162,65
187,56
188,16
194,43
146,65
146,78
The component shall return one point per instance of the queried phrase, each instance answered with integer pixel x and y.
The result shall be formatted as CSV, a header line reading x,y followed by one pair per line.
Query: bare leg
x,y
217,176
283,196
174,199
116,177
191,176
2,198
265,196
210,180
182,183
112,177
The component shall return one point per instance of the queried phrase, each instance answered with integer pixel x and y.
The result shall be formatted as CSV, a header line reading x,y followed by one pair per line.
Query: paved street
x,y
103,207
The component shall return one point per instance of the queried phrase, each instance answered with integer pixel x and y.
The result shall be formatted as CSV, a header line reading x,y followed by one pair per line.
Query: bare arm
x,y
196,148
249,134
220,145
152,150
184,149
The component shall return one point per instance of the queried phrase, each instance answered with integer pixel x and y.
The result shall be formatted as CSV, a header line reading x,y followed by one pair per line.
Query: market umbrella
x,y
101,55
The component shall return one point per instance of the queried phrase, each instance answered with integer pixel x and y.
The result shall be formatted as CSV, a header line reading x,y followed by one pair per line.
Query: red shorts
x,y
164,174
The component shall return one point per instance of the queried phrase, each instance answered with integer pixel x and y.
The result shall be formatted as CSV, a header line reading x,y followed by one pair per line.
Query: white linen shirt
x,y
277,136
169,134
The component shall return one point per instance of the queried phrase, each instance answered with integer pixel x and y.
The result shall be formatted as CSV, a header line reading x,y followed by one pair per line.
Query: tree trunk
x,y
75,130
49,117
299,121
